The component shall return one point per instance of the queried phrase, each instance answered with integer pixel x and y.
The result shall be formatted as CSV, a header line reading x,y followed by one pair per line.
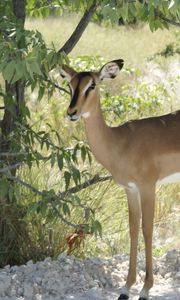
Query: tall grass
x,y
143,92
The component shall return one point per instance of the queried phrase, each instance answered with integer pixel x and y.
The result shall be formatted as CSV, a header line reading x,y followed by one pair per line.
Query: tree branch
x,y
96,179
9,154
11,167
172,22
84,185
21,182
76,189
76,35
61,89
36,191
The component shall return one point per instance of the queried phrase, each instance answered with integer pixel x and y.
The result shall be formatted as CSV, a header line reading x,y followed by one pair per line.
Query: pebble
x,y
67,278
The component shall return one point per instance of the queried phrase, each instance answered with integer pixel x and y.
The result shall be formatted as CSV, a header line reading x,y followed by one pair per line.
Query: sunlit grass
x,y
134,45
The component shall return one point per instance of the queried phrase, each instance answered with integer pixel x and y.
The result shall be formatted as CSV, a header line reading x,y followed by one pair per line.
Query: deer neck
x,y
99,136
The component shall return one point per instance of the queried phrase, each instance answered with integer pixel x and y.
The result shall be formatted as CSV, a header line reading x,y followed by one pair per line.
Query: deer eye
x,y
92,86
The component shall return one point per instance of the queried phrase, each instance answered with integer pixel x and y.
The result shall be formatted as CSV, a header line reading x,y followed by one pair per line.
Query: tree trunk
x,y
9,210
15,90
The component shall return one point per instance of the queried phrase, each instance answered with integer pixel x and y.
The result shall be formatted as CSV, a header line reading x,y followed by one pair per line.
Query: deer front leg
x,y
147,203
134,224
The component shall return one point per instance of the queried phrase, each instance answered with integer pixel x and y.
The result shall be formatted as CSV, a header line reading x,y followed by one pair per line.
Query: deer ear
x,y
67,72
111,69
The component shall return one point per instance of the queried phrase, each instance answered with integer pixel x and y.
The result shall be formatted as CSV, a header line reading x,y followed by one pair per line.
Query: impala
x,y
139,154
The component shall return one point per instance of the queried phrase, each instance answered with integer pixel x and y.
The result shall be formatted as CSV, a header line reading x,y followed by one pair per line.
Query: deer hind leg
x,y
134,224
147,204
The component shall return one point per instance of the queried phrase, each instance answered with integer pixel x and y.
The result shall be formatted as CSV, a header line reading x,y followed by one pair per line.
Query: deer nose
x,y
72,114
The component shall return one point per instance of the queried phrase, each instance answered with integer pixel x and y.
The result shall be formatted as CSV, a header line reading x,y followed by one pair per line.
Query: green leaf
x,y
76,175
124,10
4,188
171,4
83,153
97,228
29,69
11,193
66,209
33,85
151,23
18,72
9,70
9,102
53,159
87,213
110,13
41,92
67,177
60,161
89,157
36,68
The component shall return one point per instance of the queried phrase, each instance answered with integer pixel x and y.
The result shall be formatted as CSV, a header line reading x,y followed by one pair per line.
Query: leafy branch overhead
x,y
35,60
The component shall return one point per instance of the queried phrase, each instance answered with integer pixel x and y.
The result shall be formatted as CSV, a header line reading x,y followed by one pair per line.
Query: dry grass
x,y
134,45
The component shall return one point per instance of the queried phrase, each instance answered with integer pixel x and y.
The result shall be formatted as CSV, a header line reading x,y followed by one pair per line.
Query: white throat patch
x,y
86,115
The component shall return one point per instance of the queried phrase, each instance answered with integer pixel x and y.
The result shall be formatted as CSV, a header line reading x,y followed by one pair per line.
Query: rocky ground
x,y
69,278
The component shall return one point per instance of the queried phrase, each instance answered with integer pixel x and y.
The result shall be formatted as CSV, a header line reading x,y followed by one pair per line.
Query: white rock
x,y
168,275
5,283
70,278
177,276
38,280
48,260
116,276
171,255
12,292
14,277
28,290
66,267
95,260
20,291
94,293
38,297
29,263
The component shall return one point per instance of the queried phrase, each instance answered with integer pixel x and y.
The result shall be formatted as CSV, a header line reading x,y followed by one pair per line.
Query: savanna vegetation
x,y
54,196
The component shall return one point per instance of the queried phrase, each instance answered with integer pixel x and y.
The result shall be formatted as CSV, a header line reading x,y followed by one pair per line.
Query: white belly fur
x,y
173,178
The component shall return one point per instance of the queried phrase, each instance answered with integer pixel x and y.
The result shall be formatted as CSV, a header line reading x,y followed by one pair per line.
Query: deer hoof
x,y
123,297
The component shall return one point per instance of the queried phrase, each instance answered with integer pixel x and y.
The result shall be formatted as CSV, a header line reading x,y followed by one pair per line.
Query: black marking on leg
x,y
143,298
123,297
